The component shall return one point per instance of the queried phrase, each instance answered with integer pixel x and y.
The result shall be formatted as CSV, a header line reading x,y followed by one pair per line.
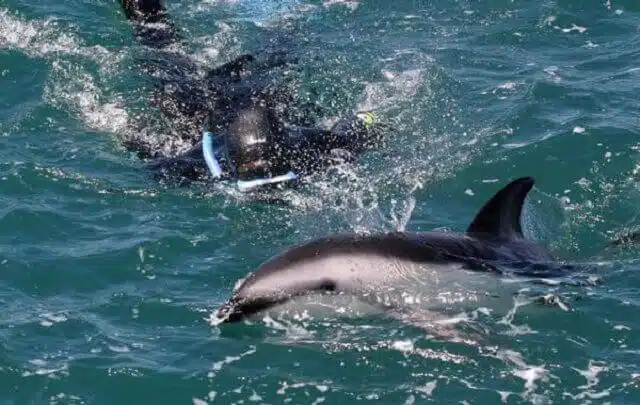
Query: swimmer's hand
x,y
365,126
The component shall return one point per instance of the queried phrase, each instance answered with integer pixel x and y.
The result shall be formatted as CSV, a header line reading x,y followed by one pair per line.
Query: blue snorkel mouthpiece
x,y
209,155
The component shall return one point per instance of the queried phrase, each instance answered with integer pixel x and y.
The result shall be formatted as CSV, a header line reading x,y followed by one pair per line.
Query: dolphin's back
x,y
331,262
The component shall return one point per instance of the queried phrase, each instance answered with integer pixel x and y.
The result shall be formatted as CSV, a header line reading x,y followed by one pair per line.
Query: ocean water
x,y
108,279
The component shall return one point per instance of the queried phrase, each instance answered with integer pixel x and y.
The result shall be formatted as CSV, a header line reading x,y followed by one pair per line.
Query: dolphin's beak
x,y
240,308
229,313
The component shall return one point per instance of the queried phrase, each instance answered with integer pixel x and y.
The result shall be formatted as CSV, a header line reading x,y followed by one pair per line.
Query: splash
x,y
218,365
71,86
519,300
72,89
47,39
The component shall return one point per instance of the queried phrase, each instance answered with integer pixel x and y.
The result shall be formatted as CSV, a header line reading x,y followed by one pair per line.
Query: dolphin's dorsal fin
x,y
500,216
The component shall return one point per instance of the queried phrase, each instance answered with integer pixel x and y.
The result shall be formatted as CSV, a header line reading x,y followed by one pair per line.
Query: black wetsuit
x,y
266,131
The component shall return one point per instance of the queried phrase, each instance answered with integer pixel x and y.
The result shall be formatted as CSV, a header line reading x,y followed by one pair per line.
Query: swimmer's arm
x,y
184,165
236,67
231,69
305,138
329,144
323,140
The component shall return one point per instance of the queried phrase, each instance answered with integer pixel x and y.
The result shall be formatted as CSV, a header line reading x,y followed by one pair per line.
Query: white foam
x,y
119,349
51,319
401,86
45,38
212,45
45,370
594,369
514,145
77,91
572,28
508,85
399,222
69,87
428,388
198,401
591,374
518,301
531,374
350,4
217,366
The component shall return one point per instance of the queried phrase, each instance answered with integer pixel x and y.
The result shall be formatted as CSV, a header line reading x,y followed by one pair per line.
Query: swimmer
x,y
242,128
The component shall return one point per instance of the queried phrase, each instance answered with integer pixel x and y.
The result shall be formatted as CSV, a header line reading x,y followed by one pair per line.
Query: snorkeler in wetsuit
x,y
241,126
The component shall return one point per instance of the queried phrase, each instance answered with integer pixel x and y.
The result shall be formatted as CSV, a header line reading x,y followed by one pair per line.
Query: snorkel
x,y
209,155
244,185
216,171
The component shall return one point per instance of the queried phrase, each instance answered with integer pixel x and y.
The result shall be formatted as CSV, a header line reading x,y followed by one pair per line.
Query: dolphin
x,y
361,264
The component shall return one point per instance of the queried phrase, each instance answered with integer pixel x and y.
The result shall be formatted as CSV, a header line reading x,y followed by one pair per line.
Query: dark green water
x,y
107,279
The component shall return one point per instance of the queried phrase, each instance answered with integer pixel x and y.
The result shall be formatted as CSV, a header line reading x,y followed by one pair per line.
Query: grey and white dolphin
x,y
359,265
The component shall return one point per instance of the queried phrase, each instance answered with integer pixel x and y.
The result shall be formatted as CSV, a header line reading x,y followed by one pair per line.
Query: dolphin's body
x,y
359,265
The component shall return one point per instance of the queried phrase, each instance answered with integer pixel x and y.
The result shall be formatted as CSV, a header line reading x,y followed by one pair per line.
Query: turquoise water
x,y
107,279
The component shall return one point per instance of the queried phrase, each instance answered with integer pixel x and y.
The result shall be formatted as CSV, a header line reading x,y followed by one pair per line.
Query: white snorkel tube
x,y
249,184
